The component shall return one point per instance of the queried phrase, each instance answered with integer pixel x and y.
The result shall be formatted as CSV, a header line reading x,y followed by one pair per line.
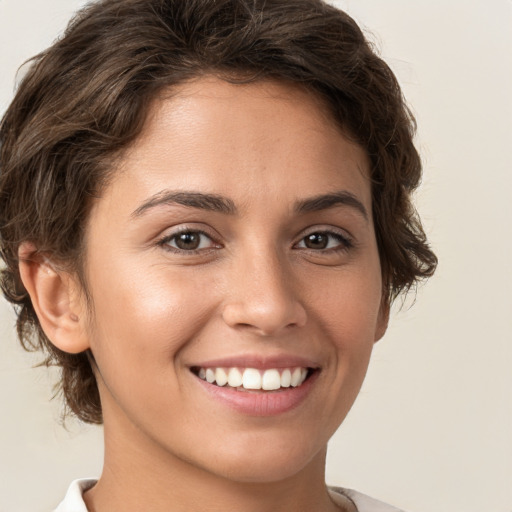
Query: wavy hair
x,y
86,98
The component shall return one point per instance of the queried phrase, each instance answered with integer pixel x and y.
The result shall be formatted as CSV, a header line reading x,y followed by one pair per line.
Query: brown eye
x,y
325,241
316,241
188,241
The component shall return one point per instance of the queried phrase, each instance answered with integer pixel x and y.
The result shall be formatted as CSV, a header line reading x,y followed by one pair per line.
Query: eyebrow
x,y
221,204
331,200
209,202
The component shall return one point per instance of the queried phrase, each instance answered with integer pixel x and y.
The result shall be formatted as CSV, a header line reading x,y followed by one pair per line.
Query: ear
x,y
56,298
382,319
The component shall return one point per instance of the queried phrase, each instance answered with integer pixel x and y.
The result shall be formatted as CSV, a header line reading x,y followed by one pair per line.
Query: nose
x,y
261,296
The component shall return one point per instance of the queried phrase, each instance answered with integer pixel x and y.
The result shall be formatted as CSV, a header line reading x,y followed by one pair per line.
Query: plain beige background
x,y
432,428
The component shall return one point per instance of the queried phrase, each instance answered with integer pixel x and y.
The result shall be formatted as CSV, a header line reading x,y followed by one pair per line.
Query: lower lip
x,y
261,403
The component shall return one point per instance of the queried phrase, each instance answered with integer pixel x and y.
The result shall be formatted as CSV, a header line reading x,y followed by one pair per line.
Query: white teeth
x,y
296,377
234,378
221,377
271,380
286,379
251,378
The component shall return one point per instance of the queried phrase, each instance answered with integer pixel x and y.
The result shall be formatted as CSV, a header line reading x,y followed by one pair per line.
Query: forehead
x,y
210,97
269,138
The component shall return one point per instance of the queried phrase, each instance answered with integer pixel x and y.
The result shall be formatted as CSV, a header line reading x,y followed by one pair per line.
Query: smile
x,y
252,379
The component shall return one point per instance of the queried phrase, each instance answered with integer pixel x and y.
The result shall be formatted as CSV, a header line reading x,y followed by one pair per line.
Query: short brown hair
x,y
86,98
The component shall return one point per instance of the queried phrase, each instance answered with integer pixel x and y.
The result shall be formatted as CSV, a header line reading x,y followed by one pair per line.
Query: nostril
x,y
266,319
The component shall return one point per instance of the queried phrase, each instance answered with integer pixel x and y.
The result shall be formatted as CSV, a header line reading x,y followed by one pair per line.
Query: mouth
x,y
253,379
256,385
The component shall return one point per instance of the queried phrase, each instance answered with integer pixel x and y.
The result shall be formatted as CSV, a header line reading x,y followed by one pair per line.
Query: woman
x,y
205,217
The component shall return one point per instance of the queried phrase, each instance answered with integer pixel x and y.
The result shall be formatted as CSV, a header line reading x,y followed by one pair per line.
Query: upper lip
x,y
257,361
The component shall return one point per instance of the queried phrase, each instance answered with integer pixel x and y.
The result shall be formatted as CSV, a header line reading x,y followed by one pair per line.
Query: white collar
x,y
73,501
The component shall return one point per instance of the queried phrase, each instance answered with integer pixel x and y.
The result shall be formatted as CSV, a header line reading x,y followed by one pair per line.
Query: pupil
x,y
188,241
316,241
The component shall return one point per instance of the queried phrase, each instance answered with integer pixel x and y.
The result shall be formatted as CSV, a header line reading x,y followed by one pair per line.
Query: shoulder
x,y
73,501
364,503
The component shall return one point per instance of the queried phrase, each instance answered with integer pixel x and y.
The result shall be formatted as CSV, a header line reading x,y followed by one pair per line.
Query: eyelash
x,y
165,241
344,243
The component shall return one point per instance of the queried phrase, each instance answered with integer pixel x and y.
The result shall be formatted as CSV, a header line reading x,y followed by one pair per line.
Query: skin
x,y
252,287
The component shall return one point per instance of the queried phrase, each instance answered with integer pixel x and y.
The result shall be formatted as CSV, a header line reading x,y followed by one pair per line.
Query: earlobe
x,y
383,319
55,298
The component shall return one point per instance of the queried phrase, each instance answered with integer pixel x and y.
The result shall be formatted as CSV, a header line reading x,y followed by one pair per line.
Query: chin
x,y
267,461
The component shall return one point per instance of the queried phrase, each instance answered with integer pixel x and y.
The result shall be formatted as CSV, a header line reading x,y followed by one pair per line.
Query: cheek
x,y
146,317
347,305
346,310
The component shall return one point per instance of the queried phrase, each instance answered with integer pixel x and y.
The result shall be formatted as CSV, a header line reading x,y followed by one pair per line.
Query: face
x,y
235,243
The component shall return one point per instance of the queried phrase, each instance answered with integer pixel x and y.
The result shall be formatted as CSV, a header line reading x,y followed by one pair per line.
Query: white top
x,y
73,502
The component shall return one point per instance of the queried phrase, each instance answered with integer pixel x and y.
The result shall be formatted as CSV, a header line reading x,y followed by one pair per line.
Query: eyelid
x,y
326,228
163,241
347,240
